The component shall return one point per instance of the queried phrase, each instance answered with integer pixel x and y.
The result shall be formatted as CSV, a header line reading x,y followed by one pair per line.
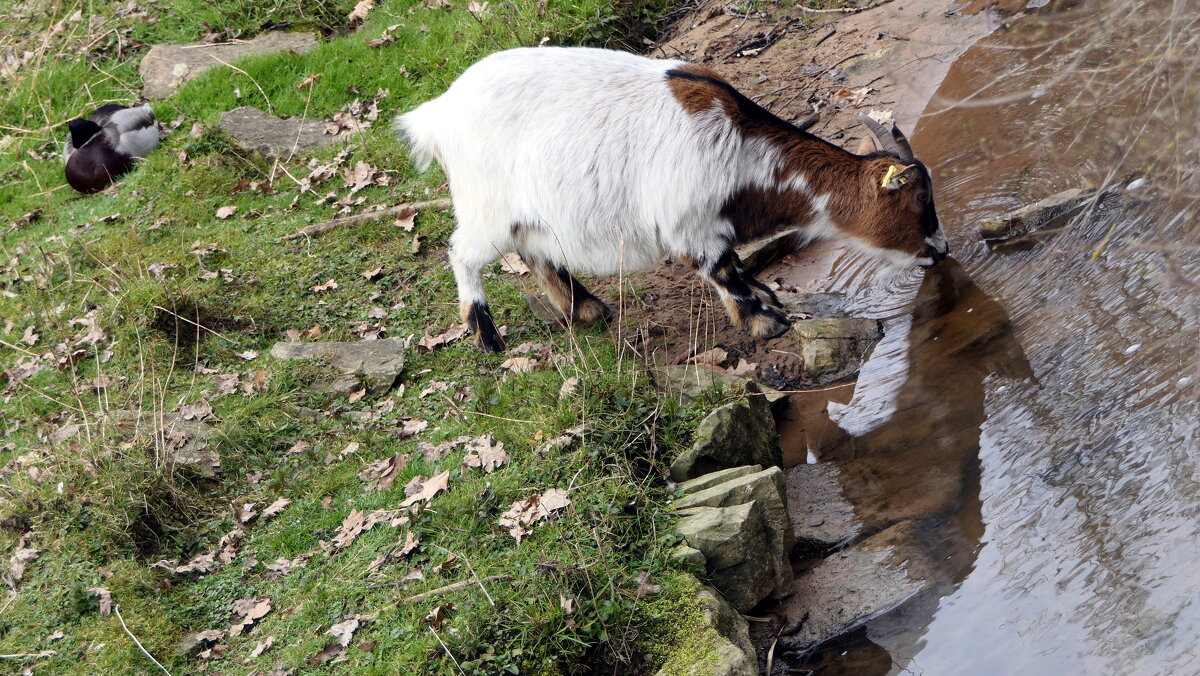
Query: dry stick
x,y
117,610
451,588
321,228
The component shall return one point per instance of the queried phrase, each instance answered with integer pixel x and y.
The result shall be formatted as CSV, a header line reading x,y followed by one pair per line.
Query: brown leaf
x,y
344,631
528,512
359,13
569,386
372,275
411,426
356,396
518,364
20,558
275,508
406,219
486,453
438,616
645,586
251,610
448,336
428,489
714,357
434,387
226,212
226,383
512,264
320,288
198,410
262,647
384,472
300,447
308,81
330,652
29,337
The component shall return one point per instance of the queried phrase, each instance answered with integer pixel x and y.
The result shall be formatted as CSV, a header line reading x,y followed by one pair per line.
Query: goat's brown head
x,y
898,220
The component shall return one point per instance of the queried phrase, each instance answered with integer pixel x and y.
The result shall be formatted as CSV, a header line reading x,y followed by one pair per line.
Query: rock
x,y
690,557
759,254
736,434
713,478
165,67
733,541
1048,213
808,305
726,635
767,492
821,518
835,348
539,305
276,136
376,362
64,433
689,381
853,586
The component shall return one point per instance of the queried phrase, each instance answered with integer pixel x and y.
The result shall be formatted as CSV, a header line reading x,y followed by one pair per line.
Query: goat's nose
x,y
934,255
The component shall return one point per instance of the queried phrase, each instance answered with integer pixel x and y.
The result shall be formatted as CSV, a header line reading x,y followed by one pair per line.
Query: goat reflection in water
x,y
922,463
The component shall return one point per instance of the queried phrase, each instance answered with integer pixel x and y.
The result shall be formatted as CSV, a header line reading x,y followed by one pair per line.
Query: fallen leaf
x,y
645,586
251,610
434,387
428,489
384,472
226,212
248,355
523,514
485,453
356,396
569,386
344,631
29,337
448,336
406,219
411,426
308,81
330,652
713,357
377,313
300,447
438,616
512,264
372,275
320,288
262,647
744,369
360,11
567,604
477,8
275,508
198,410
20,558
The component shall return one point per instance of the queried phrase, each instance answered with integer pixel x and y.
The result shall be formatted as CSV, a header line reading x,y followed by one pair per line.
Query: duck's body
x,y
105,145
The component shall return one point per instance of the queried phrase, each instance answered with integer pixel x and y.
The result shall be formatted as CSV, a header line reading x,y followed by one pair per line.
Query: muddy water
x,y
1037,412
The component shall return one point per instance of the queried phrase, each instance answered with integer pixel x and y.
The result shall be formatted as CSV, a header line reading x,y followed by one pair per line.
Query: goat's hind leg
x,y
571,298
468,264
740,293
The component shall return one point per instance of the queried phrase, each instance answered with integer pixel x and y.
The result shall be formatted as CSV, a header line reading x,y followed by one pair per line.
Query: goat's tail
x,y
417,127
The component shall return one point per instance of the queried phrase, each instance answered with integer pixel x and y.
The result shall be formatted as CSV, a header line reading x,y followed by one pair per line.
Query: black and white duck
x,y
104,146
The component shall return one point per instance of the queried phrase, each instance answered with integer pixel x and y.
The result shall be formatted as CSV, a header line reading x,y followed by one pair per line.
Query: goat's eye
x,y
923,196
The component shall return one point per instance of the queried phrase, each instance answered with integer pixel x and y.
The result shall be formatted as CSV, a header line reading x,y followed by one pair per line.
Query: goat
x,y
598,161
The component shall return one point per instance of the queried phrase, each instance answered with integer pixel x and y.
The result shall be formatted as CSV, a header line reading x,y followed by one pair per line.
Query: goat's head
x,y
897,220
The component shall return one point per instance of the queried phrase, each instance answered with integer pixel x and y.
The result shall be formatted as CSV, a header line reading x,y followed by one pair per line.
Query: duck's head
x,y
82,131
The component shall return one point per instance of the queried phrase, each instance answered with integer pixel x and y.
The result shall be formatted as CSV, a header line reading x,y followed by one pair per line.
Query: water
x,y
1037,411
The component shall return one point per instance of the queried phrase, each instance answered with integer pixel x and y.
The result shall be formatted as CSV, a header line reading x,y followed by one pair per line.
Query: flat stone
x,y
1051,212
377,363
165,67
734,541
689,381
765,490
736,434
726,636
834,348
276,136
713,478
851,587
690,557
821,517
809,305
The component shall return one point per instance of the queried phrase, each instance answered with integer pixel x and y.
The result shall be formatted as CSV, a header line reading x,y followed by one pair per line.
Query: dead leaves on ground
x,y
19,560
446,337
423,489
520,519
485,453
381,474
250,611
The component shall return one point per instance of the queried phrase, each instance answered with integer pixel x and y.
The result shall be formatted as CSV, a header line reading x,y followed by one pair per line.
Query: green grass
x,y
102,508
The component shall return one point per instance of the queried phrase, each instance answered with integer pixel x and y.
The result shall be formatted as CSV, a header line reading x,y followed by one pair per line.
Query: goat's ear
x,y
897,177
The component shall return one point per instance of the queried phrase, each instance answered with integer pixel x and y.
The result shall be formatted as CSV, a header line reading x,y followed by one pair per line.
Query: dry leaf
x,y
406,219
411,426
299,447
226,212
320,288
512,264
477,8
713,357
344,631
569,386
428,489
262,647
523,514
518,364
384,472
434,386
448,336
275,508
372,275
308,81
486,453
20,558
198,410
248,355
438,616
251,610
359,13
356,396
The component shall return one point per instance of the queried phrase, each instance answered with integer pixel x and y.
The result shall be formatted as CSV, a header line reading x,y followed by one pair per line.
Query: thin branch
x,y
451,588
117,610
321,228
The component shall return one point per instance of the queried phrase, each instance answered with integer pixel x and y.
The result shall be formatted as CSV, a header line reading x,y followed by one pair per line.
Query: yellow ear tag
x,y
888,176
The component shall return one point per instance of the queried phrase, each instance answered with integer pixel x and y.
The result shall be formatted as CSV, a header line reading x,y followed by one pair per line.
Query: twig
x,y
826,37
21,656
117,610
473,573
460,410
321,228
843,10
450,588
444,647
18,349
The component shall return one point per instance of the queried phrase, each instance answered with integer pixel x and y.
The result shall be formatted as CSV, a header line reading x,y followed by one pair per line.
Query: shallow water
x,y
1037,411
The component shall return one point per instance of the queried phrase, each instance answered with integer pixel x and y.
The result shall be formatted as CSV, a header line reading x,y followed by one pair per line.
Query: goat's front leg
x,y
742,302
468,264
568,296
764,292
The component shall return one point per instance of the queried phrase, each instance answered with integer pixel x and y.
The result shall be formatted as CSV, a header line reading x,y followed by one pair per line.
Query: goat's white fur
x,y
583,158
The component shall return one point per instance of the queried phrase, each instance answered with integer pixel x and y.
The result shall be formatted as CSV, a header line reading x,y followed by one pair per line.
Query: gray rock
x,y
726,635
734,541
276,136
689,381
834,348
759,254
690,557
539,304
736,434
808,305
767,492
376,362
186,442
853,586
1048,213
821,517
713,478
165,67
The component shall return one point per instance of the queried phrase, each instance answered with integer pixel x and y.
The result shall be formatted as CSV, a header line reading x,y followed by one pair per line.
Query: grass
x,y
136,264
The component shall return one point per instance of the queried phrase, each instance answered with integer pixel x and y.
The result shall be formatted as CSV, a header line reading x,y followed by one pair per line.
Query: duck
x,y
107,143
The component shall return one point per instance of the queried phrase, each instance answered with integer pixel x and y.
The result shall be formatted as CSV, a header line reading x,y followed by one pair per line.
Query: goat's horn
x,y
891,142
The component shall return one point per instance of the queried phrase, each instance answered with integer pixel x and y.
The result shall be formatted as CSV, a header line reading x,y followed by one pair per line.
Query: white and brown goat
x,y
597,161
